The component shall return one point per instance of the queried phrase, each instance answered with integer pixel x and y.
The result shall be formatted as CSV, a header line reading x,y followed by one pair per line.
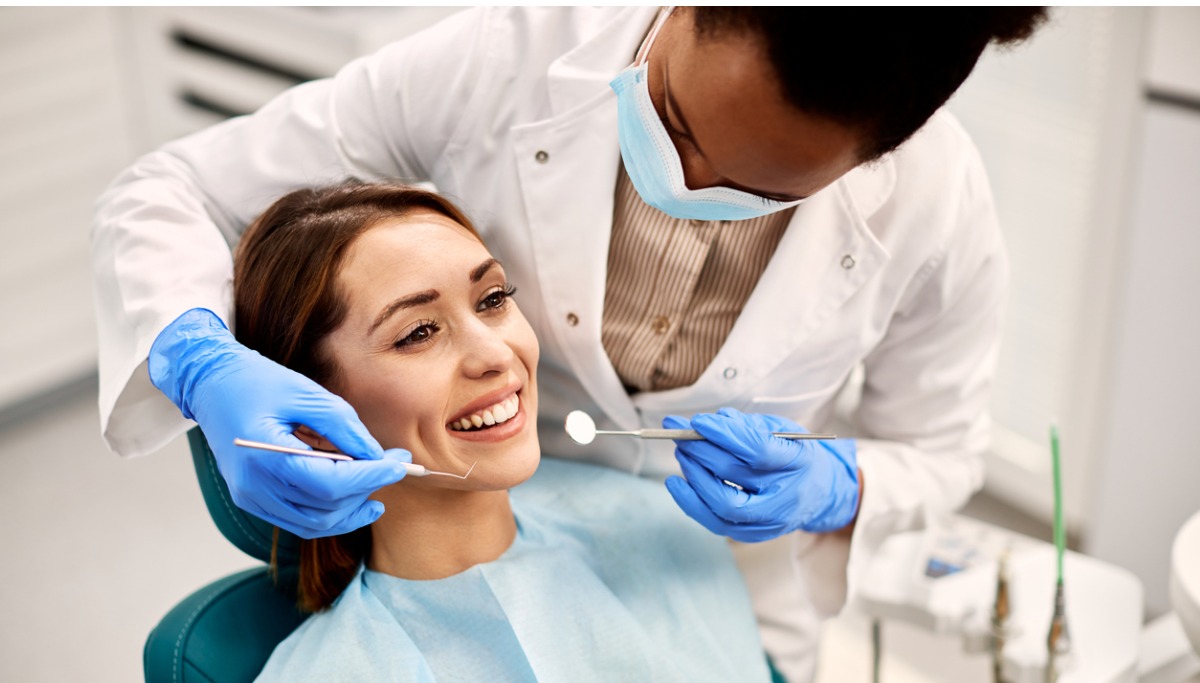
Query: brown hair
x,y
286,302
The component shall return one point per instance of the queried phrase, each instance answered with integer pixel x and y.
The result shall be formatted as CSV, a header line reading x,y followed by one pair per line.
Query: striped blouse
x,y
675,288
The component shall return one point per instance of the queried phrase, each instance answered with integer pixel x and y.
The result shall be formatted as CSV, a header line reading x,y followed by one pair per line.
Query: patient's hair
x,y
287,301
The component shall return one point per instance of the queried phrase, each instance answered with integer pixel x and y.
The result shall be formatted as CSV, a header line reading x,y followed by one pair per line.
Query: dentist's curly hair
x,y
286,303
882,71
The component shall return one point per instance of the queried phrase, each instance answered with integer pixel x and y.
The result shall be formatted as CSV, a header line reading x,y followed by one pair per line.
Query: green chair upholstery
x,y
226,631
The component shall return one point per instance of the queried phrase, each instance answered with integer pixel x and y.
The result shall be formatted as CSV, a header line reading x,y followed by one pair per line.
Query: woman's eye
x,y
497,298
420,333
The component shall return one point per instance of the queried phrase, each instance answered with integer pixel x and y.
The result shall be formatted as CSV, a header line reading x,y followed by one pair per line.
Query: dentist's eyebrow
x,y
418,299
483,268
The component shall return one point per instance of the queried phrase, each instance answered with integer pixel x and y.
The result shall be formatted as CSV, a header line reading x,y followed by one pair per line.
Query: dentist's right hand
x,y
232,391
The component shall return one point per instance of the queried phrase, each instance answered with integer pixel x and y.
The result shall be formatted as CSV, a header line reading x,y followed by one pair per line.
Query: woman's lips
x,y
504,430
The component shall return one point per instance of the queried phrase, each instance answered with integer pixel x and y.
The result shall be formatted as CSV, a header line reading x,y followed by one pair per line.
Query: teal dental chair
x,y
226,631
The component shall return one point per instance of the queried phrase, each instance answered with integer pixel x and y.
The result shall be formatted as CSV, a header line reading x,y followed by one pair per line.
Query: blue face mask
x,y
653,164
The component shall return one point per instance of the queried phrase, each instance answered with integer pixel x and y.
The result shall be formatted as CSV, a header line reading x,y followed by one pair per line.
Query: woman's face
x,y
431,345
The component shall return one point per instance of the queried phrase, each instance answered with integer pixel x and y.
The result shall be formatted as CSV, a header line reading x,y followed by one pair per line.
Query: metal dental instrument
x,y
414,470
582,429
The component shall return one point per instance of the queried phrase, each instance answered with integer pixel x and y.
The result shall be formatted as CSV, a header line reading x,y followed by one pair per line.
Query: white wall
x,y
1097,183
64,133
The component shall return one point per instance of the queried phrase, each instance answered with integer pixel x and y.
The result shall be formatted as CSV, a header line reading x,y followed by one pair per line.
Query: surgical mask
x,y
653,163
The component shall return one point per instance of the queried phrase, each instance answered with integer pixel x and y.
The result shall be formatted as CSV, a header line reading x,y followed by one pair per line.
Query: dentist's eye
x,y
496,298
420,334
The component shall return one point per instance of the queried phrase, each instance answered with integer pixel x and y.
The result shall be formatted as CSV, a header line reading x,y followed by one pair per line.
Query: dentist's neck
x,y
431,533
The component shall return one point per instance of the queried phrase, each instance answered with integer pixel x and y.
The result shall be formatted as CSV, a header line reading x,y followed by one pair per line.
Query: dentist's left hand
x,y
788,485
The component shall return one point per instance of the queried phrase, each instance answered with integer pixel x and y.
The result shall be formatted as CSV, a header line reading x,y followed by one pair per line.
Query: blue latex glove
x,y
788,485
232,391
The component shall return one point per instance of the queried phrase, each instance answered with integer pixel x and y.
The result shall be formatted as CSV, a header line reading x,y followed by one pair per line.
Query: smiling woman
x,y
386,295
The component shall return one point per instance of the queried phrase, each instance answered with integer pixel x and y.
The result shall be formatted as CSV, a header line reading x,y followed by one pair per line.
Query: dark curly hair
x,y
882,71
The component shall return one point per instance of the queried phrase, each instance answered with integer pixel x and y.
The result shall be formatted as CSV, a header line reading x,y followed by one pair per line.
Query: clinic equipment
x,y
414,470
1058,640
582,429
943,579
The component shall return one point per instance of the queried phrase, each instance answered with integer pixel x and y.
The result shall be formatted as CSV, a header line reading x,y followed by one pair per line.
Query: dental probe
x,y
582,429
414,470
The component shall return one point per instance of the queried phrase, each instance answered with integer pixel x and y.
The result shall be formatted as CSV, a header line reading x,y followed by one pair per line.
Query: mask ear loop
x,y
644,50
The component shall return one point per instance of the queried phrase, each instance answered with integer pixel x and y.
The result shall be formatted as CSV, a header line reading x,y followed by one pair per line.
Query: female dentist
x,y
766,234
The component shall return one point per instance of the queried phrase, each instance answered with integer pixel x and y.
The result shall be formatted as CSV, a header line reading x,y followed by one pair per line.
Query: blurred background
x,y
1091,137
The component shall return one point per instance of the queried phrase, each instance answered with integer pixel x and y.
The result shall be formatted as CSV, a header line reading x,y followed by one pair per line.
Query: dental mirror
x,y
582,429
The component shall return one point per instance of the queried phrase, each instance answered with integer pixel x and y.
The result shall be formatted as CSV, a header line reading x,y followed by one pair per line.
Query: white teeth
x,y
501,412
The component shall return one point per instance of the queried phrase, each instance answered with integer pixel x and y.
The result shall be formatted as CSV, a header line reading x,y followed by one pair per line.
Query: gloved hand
x,y
232,391
788,485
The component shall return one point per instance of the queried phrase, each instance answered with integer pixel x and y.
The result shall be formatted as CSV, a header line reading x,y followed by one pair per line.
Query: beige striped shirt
x,y
675,288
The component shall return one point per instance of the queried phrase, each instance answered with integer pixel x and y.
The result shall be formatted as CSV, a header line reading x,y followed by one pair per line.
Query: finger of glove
x,y
691,504
676,422
723,500
765,498
333,418
773,423
366,513
321,525
298,519
748,437
329,480
720,462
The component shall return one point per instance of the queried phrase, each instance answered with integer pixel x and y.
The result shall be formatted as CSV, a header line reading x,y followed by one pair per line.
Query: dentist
x,y
714,216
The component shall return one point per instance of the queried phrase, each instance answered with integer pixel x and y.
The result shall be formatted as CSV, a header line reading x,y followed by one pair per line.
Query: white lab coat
x,y
897,268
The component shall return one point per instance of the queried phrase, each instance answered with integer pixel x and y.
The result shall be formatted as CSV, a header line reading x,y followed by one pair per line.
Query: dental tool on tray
x,y
414,470
582,429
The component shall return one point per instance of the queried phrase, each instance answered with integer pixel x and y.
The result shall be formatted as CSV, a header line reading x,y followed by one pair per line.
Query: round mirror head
x,y
580,427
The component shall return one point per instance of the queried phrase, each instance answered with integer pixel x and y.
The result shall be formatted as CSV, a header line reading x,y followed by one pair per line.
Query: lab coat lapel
x,y
568,168
825,256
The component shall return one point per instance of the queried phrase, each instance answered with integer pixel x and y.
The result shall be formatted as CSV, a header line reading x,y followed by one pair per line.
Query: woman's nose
x,y
486,352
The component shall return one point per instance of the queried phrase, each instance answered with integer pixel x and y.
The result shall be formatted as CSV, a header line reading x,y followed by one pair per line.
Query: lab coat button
x,y
661,324
572,319
847,261
541,156
730,373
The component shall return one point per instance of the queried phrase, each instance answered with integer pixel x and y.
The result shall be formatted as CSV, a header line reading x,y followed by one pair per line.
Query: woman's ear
x,y
314,439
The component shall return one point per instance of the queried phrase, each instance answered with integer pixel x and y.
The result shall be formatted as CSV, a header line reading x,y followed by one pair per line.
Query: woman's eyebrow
x,y
483,268
418,299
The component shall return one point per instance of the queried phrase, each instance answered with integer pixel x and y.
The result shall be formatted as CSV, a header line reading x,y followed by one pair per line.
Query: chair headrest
x,y
249,533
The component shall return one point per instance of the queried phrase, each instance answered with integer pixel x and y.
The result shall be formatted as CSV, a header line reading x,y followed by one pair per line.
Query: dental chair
x,y
226,631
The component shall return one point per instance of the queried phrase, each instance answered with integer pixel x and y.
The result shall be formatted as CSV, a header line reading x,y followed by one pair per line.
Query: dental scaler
x,y
414,470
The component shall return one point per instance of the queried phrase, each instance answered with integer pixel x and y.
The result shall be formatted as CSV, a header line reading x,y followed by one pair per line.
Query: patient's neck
x,y
429,533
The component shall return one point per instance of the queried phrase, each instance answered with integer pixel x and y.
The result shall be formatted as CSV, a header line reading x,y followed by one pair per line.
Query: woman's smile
x,y
486,426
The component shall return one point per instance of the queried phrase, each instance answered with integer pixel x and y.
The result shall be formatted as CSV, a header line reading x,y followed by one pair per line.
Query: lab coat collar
x,y
577,76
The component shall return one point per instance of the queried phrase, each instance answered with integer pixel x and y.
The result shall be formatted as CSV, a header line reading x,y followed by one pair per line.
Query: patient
x,y
386,295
